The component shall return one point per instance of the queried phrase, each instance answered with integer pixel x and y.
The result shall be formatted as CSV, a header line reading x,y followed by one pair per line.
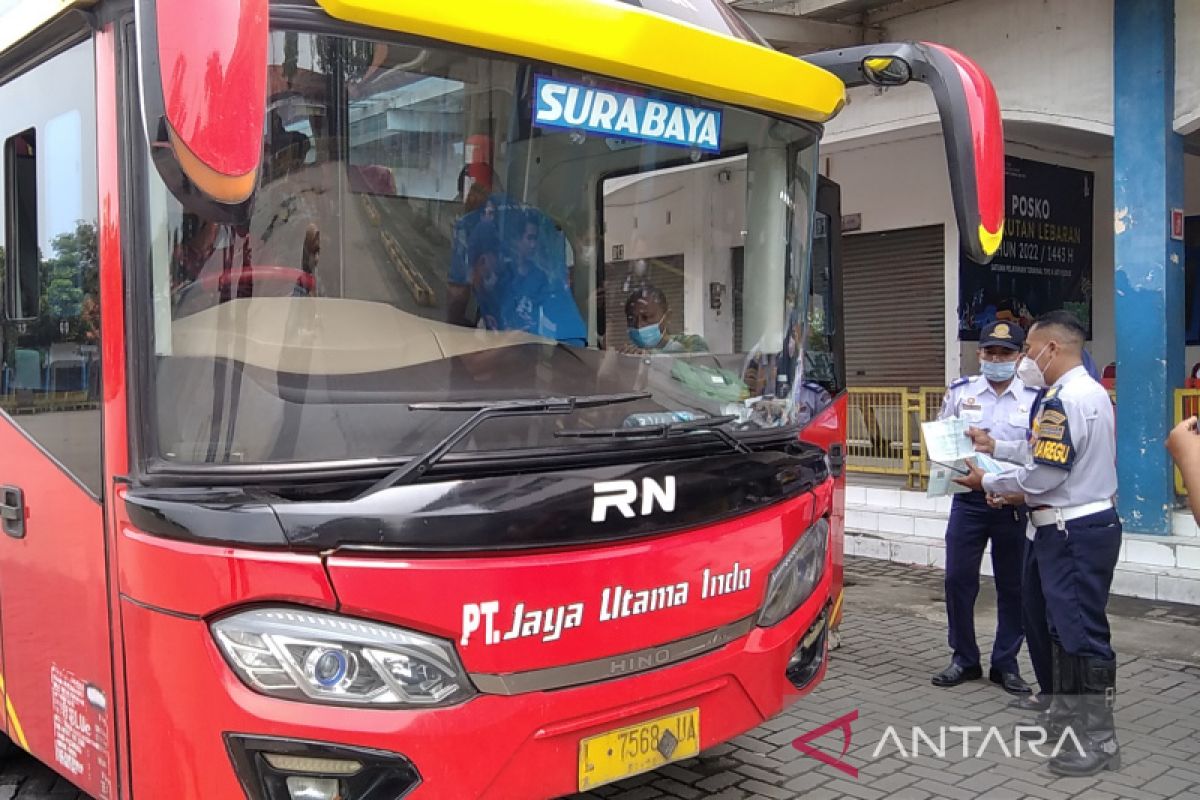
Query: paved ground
x,y
892,641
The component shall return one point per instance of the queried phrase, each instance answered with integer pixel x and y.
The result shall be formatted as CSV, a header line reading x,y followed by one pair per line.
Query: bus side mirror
x,y
971,127
203,75
886,71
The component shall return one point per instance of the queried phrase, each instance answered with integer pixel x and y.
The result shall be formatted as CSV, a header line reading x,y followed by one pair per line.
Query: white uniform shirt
x,y
1005,416
1073,460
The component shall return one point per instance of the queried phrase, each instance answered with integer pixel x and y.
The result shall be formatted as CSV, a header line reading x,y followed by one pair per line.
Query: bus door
x,y
54,614
823,392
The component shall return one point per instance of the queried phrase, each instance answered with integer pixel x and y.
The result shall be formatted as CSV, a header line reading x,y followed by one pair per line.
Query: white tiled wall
x,y
907,527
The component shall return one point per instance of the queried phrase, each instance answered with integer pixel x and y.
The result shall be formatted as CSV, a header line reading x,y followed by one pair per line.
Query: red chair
x,y
1193,380
1108,379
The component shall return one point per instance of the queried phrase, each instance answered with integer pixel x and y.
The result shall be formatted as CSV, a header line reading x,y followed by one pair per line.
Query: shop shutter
x,y
894,307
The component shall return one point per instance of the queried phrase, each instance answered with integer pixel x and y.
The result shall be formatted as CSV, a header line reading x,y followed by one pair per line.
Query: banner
x,y
1045,262
1191,261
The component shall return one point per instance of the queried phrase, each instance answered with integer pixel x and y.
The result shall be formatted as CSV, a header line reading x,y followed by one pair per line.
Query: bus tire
x,y
8,748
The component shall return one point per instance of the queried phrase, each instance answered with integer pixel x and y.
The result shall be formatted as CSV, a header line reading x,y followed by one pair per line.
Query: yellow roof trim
x,y
25,16
619,40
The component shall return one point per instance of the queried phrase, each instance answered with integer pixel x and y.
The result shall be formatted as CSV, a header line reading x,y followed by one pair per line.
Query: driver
x,y
647,313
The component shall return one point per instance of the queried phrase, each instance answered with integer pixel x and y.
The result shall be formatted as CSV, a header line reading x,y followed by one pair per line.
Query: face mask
x,y
998,371
646,336
1031,373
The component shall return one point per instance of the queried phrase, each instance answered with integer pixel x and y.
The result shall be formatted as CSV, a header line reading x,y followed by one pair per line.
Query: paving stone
x,y
766,790
639,793
674,788
1169,786
802,784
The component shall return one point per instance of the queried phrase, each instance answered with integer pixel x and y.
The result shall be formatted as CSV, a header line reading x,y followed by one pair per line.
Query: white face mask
x,y
1030,373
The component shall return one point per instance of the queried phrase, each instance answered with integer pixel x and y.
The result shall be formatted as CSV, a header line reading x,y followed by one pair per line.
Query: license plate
x,y
638,748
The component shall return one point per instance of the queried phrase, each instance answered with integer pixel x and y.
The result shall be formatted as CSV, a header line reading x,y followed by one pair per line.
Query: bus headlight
x,y
326,658
796,576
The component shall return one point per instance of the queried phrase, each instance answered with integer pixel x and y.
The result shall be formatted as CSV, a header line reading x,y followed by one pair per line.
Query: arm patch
x,y
1054,447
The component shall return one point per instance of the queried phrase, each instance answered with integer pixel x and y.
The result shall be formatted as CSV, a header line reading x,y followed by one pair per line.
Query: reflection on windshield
x,y
419,236
511,259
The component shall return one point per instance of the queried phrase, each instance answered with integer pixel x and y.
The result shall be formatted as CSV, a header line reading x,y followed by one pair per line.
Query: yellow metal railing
x,y
885,430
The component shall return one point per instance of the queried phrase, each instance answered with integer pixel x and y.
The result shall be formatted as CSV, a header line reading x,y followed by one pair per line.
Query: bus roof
x,y
633,44
615,38
19,18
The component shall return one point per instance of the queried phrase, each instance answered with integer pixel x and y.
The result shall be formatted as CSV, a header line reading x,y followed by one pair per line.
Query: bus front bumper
x,y
500,747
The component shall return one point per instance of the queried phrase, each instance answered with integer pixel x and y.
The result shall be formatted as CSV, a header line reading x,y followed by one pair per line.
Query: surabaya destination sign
x,y
560,104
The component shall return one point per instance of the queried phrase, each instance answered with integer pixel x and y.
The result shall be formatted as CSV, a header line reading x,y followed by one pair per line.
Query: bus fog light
x,y
796,576
305,788
312,656
276,768
312,766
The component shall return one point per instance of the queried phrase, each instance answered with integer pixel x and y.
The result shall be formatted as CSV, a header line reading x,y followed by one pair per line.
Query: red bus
x,y
420,400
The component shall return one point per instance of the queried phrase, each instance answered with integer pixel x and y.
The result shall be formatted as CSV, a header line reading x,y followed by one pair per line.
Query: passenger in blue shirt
x,y
504,255
523,285
482,271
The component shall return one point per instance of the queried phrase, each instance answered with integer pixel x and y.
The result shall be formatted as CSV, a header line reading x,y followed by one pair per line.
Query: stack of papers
x,y
949,448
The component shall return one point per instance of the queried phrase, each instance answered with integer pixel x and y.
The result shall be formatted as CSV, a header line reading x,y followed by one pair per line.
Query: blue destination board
x,y
574,106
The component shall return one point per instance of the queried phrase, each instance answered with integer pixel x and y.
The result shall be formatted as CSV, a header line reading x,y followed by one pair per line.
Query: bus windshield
x,y
439,225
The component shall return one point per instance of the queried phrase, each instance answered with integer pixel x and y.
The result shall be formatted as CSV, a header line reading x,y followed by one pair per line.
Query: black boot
x,y
1095,729
1064,697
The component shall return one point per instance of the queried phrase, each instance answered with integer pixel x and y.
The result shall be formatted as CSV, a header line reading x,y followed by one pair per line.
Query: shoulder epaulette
x,y
960,382
1051,393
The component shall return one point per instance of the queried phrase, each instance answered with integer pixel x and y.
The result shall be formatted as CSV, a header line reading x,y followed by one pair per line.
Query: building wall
x,y
904,183
1050,61
1187,65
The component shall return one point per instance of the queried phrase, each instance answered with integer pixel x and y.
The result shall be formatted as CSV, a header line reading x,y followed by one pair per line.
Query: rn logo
x,y
622,495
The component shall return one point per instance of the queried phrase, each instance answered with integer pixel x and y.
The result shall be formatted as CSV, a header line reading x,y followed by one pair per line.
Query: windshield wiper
x,y
540,406
702,425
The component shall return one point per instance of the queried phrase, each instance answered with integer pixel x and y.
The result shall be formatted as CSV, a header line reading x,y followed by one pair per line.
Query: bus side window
x,y
50,332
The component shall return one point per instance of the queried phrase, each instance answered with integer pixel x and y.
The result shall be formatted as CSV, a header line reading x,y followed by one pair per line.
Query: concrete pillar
x,y
1148,183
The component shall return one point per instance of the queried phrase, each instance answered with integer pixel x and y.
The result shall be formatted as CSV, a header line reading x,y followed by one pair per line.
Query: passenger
x,y
524,285
484,276
475,184
647,313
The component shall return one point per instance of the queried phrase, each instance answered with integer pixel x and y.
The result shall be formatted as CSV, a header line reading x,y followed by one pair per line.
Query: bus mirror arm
x,y
970,118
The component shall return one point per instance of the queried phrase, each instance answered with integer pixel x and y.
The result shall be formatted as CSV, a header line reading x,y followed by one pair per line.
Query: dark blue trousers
x,y
1037,628
972,525
1076,567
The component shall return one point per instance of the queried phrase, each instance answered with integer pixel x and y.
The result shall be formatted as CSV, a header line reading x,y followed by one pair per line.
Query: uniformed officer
x,y
999,402
1069,485
1033,602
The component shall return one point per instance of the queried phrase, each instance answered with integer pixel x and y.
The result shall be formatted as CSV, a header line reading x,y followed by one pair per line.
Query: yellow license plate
x,y
638,748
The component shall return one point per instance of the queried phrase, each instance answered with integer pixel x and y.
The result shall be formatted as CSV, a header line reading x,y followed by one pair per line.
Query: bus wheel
x,y
8,748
